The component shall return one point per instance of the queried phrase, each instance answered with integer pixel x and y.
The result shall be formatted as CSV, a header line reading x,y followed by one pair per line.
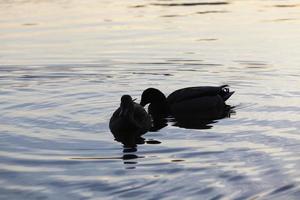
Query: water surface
x,y
65,64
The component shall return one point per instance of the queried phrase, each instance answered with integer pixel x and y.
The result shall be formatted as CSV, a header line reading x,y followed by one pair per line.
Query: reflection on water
x,y
204,120
64,65
192,4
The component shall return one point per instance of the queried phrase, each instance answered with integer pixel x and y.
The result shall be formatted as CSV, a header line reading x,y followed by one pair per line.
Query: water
x,y
65,64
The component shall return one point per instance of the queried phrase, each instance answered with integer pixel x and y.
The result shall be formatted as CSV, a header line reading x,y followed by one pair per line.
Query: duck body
x,y
129,122
204,102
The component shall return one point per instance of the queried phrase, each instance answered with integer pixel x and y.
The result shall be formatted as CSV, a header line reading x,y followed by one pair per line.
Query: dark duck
x,y
188,104
129,122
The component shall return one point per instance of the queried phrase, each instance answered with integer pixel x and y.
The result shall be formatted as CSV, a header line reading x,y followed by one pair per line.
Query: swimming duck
x,y
187,103
129,122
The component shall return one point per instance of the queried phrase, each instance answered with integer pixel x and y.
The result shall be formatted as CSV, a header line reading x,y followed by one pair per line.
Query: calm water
x,y
65,64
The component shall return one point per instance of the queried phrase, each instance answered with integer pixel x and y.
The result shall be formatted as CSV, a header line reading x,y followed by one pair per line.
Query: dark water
x,y
65,63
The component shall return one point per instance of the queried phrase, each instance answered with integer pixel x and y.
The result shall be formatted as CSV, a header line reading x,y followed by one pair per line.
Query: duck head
x,y
126,106
152,95
158,107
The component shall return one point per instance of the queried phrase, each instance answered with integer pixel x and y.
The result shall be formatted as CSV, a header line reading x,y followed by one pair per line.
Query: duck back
x,y
198,92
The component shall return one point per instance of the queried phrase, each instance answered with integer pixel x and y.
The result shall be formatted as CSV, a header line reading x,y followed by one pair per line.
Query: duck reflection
x,y
128,157
130,161
158,124
203,120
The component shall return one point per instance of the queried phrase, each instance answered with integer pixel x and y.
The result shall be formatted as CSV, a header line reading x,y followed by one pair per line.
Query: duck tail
x,y
226,94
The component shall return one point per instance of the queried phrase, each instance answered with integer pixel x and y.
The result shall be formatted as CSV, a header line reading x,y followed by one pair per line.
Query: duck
x,y
129,122
190,103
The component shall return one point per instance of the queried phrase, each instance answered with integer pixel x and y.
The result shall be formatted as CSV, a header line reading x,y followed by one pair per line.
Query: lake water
x,y
64,65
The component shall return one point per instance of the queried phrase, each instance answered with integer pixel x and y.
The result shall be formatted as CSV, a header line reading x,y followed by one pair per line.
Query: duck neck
x,y
159,109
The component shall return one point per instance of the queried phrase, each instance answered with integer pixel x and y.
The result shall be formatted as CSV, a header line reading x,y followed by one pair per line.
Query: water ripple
x,y
65,65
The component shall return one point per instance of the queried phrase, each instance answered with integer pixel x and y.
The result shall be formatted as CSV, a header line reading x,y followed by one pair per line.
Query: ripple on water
x,y
216,3
54,135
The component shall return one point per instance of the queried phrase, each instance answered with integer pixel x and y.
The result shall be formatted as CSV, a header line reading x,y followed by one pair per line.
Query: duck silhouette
x,y
188,104
129,122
